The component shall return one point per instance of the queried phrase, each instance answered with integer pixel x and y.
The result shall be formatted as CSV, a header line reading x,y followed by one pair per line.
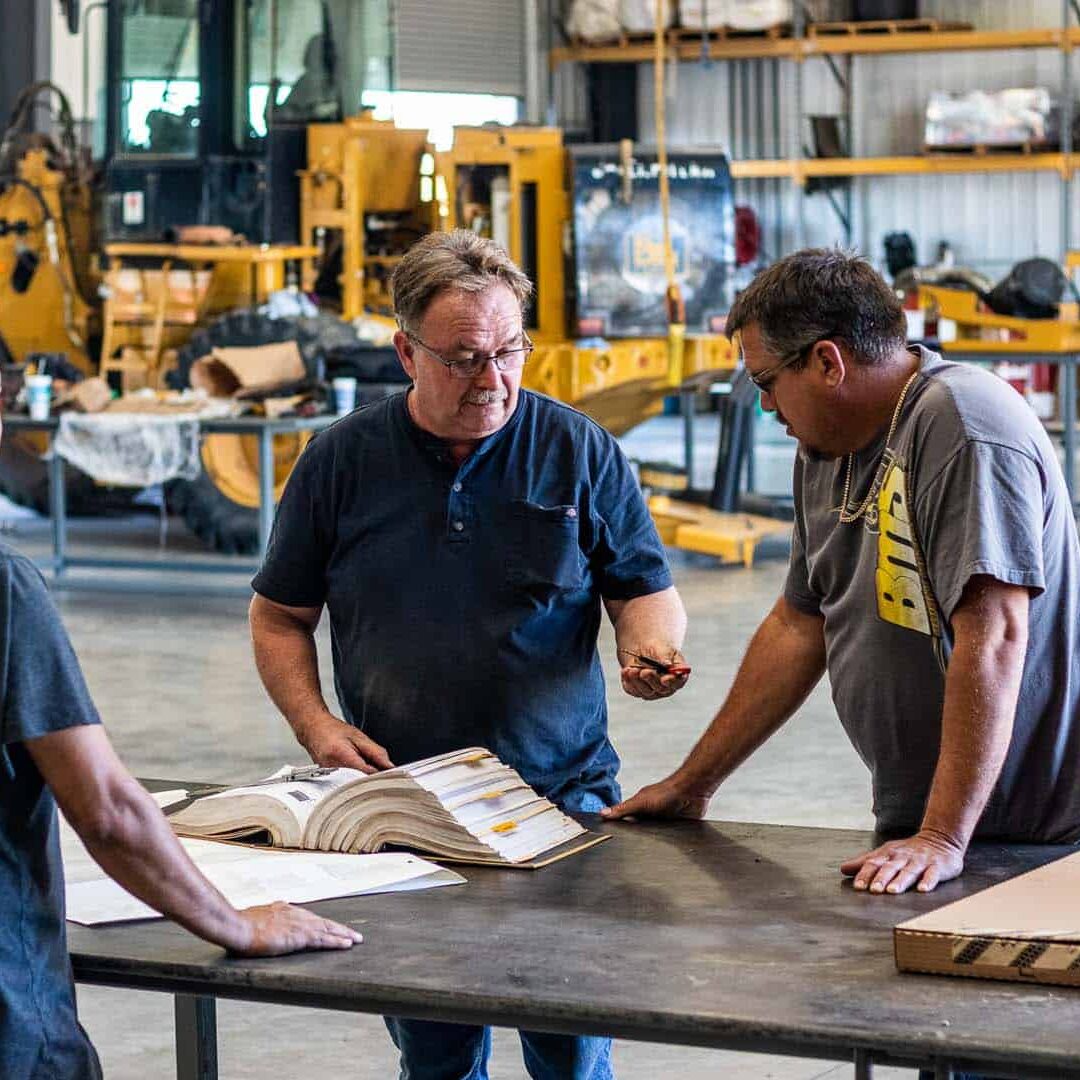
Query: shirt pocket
x,y
544,550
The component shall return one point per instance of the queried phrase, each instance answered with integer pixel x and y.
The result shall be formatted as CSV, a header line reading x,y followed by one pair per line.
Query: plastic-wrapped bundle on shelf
x,y
743,15
748,15
639,16
594,21
703,14
1021,117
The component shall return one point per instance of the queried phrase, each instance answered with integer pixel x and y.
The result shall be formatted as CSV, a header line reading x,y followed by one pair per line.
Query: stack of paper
x,y
248,876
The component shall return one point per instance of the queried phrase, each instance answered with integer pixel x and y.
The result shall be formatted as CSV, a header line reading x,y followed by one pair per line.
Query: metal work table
x,y
262,428
711,934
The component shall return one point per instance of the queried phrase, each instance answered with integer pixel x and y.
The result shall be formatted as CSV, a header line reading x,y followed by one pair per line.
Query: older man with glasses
x,y
935,574
463,536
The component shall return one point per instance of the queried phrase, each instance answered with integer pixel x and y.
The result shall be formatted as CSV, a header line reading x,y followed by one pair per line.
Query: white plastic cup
x,y
344,394
39,396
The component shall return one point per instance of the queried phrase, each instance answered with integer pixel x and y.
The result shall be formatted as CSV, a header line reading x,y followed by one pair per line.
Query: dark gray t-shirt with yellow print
x,y
969,484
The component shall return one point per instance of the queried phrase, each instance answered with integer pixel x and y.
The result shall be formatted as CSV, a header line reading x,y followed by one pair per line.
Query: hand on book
x,y
279,928
333,743
668,799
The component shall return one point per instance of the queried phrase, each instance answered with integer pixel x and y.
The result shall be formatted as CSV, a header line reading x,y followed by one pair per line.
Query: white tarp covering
x,y
130,449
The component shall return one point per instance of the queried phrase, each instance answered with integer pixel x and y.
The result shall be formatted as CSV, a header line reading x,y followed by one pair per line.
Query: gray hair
x,y
458,259
818,294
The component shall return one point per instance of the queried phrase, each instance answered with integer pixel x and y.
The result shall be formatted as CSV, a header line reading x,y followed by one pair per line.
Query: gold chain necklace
x,y
847,518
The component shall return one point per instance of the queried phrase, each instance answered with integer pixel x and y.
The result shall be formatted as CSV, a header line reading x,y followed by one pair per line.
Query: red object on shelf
x,y
747,235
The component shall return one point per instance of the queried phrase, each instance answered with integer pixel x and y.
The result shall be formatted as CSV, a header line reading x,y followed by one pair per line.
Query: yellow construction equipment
x,y
619,384
47,228
984,331
367,192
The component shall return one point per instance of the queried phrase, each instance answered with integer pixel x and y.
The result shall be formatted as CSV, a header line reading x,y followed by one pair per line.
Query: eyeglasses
x,y
763,380
471,366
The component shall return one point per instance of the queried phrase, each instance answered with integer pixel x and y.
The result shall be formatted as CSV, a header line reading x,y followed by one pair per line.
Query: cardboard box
x,y
1026,929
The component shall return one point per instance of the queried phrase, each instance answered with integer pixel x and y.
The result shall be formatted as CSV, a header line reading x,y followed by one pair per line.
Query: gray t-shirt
x,y
969,484
41,691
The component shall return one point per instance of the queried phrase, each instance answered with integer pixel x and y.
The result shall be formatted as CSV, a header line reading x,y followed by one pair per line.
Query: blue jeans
x,y
431,1050
927,1074
435,1051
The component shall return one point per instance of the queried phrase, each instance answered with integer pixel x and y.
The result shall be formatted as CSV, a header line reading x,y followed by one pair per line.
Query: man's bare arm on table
x,y
981,689
284,642
784,661
653,625
129,837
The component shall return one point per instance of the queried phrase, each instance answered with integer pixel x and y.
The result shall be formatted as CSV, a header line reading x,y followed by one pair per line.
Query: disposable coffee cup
x,y
344,394
38,396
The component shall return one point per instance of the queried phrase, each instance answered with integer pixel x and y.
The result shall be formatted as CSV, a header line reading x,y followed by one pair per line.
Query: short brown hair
x,y
458,259
821,293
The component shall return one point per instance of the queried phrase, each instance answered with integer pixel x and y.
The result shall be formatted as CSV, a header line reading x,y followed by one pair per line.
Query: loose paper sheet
x,y
248,876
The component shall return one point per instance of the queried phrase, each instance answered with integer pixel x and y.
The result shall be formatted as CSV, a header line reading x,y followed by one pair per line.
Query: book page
x,y
456,778
529,837
299,797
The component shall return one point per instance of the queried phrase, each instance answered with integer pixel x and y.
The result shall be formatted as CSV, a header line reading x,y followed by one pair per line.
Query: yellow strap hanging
x,y
676,315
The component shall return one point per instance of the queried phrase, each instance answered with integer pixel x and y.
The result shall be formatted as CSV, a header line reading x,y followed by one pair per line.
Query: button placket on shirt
x,y
459,509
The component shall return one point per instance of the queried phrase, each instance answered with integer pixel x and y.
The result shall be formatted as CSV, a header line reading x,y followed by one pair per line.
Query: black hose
x,y
20,115
18,181
70,286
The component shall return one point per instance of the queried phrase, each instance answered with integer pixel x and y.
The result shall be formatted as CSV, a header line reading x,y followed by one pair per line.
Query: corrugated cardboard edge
x,y
1011,959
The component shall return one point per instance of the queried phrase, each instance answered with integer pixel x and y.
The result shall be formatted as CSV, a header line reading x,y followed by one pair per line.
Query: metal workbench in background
x,y
734,936
61,562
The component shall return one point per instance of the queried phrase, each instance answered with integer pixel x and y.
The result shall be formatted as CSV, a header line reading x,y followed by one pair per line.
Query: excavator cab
x,y
208,104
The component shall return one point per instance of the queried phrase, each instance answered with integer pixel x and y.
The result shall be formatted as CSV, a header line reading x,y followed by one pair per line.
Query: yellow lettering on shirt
x,y
901,597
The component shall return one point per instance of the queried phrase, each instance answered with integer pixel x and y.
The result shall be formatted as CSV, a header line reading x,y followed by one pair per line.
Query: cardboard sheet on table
x,y
1026,929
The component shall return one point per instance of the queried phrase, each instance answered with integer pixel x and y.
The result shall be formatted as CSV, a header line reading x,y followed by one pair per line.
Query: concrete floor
x,y
175,683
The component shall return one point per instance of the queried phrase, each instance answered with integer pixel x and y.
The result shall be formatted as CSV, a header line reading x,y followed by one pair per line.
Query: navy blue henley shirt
x,y
465,601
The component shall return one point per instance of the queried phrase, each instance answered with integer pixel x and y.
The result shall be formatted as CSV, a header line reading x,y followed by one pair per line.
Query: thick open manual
x,y
1025,929
466,806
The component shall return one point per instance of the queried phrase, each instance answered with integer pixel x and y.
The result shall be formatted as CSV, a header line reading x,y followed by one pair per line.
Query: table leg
x,y
686,407
58,511
266,488
1068,406
196,1037
864,1065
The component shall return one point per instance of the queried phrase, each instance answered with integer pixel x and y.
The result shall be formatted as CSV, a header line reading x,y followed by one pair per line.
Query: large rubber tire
x,y
222,523
316,338
24,479
213,517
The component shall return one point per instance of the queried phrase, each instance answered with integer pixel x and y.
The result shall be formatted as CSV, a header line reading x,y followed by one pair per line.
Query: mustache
x,y
487,397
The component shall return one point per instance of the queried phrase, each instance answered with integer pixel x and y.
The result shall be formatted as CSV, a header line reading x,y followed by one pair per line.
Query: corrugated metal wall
x,y
991,221
479,48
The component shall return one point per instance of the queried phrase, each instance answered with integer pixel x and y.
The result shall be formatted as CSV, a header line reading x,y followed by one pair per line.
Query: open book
x,y
466,806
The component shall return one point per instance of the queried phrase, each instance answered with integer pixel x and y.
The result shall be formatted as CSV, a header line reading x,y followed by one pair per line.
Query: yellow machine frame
x,y
358,167
64,245
620,384
355,169
985,331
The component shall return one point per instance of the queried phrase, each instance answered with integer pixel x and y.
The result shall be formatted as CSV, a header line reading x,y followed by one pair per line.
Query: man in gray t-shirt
x,y
934,575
